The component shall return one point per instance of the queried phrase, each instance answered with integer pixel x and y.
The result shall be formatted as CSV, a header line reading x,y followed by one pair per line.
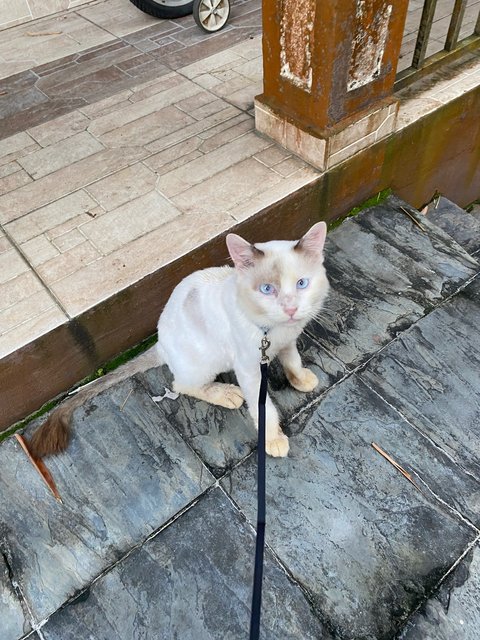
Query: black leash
x,y
260,539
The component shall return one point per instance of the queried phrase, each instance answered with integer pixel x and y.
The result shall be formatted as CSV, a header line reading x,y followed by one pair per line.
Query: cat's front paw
x,y
303,380
278,447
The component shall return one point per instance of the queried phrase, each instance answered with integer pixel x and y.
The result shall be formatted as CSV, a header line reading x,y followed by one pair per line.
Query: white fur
x,y
214,320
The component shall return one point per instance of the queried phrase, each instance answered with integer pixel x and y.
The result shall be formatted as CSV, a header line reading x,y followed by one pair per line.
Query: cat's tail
x,y
53,435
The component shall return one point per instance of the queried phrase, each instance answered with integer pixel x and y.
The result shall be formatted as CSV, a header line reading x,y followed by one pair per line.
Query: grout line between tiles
x,y
278,560
87,19
427,597
138,545
436,446
22,254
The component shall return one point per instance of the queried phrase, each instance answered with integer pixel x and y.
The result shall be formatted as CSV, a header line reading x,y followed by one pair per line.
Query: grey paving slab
x,y
13,623
125,474
385,274
365,543
462,226
472,290
356,322
435,248
223,437
453,611
191,582
431,374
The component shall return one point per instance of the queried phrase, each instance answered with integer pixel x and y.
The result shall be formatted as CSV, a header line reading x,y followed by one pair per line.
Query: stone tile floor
x,y
155,535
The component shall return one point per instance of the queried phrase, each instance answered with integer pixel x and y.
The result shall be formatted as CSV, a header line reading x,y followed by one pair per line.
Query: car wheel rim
x,y
213,14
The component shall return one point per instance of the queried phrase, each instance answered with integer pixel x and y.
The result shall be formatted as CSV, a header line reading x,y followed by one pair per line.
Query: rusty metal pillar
x,y
329,69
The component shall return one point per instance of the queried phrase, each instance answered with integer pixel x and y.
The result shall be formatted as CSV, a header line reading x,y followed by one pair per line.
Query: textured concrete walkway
x,y
155,535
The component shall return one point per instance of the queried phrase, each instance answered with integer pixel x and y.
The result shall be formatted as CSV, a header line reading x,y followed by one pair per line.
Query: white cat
x,y
215,319
214,322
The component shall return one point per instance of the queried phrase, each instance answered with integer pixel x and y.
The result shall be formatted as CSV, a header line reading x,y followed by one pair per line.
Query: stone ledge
x,y
325,149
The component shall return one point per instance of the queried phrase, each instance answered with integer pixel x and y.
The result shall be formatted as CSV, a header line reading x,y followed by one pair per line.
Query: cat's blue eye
x,y
303,283
267,289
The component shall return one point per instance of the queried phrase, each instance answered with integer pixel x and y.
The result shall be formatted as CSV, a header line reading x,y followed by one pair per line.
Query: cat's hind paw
x,y
303,380
225,395
278,447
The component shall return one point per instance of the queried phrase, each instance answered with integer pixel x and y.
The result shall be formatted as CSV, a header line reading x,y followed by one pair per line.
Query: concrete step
x,y
154,536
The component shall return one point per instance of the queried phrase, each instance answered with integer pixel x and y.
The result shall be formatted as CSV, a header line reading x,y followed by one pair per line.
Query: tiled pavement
x,y
102,49
157,121
113,130
154,538
440,24
107,46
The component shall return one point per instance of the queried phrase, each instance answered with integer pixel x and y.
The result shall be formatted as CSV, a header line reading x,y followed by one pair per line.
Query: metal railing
x,y
446,29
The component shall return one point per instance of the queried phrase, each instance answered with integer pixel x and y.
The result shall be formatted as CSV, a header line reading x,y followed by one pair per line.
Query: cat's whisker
x,y
326,309
320,316
330,309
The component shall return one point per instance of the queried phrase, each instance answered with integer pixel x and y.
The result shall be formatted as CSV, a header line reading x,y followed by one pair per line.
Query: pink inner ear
x,y
241,251
314,239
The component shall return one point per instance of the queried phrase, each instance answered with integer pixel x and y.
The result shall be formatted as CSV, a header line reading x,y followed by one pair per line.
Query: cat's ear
x,y
241,252
313,241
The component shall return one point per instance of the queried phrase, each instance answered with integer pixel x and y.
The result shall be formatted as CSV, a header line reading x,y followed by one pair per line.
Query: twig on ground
x,y
125,401
414,220
396,465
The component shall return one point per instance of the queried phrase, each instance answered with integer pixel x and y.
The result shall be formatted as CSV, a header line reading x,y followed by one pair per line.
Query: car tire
x,y
160,10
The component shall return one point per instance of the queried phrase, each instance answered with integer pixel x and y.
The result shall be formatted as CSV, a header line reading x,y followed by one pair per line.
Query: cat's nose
x,y
290,311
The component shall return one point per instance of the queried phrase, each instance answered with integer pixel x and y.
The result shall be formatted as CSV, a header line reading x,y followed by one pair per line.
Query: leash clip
x,y
263,348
